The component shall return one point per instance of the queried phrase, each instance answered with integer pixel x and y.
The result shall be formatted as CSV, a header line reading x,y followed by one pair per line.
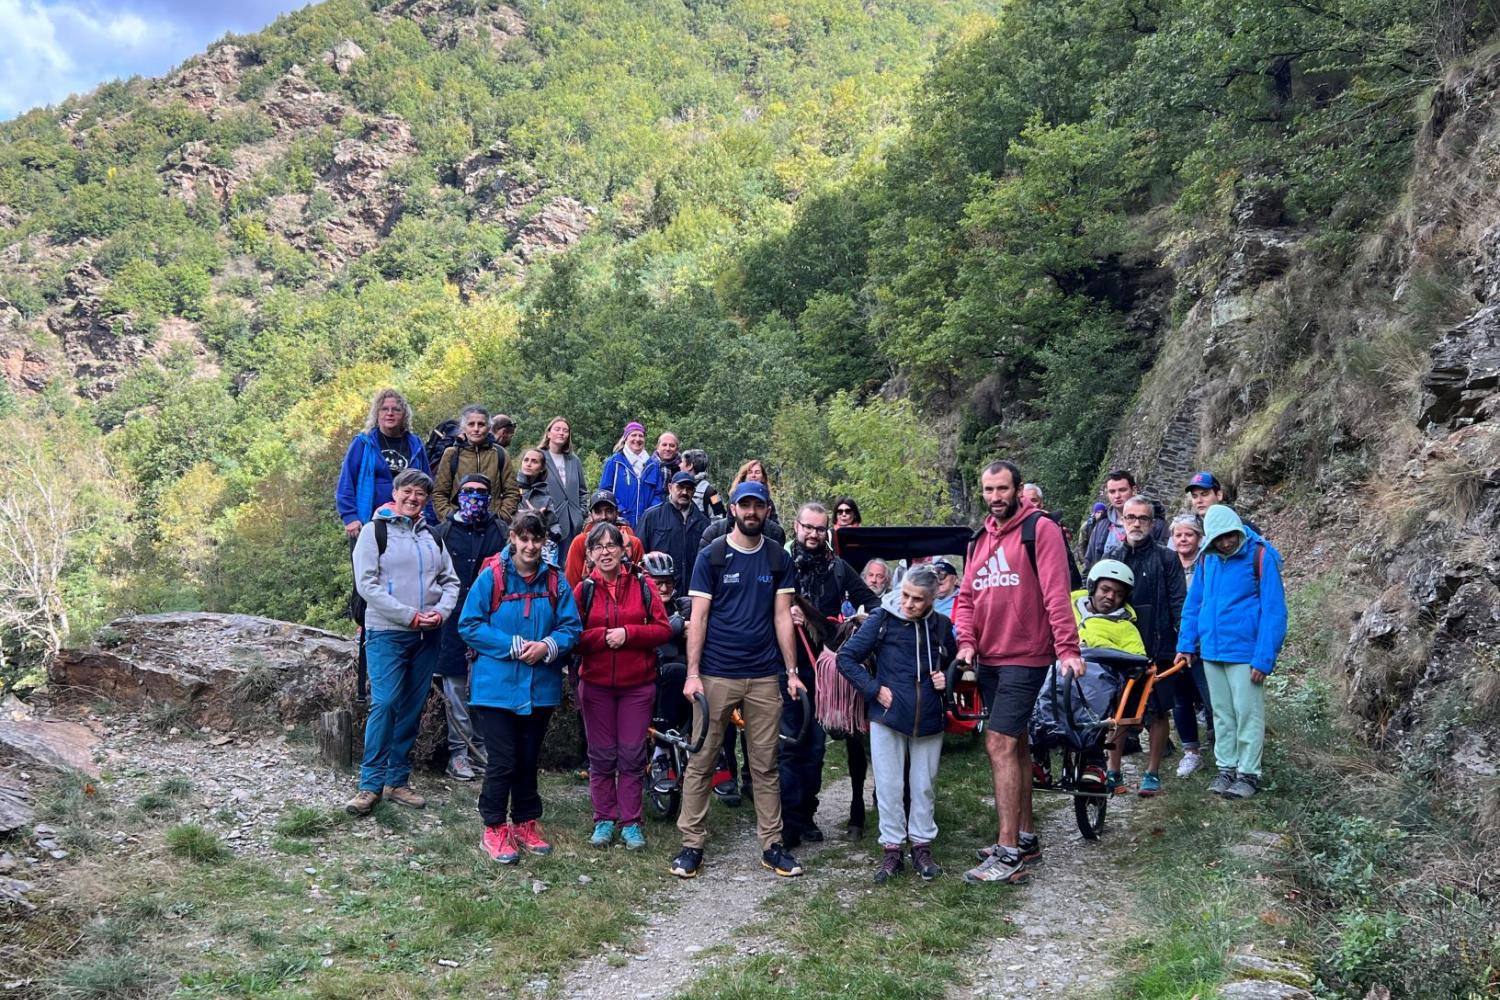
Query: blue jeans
x,y
1190,682
401,665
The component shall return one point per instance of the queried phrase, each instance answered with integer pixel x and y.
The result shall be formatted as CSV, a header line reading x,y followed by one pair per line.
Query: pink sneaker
x,y
499,842
529,836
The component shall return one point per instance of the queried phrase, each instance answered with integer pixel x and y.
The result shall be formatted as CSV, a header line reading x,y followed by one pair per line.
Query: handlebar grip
x,y
950,681
807,714
699,702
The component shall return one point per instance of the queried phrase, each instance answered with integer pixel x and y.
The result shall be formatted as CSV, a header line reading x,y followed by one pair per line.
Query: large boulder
x,y
226,670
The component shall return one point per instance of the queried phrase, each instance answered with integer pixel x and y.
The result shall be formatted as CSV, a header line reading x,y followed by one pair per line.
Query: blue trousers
x,y
401,665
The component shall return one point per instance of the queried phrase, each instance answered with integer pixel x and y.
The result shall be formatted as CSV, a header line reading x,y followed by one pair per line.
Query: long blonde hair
x,y
373,420
739,477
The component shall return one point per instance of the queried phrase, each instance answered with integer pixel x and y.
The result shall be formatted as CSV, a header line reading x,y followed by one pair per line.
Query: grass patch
x,y
164,716
194,843
302,821
123,975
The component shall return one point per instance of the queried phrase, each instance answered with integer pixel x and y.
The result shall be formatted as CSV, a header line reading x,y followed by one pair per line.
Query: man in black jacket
x,y
824,581
1159,592
675,526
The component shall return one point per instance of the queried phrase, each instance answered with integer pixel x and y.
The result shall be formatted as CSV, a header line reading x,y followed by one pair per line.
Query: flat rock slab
x,y
15,808
50,743
222,668
1261,989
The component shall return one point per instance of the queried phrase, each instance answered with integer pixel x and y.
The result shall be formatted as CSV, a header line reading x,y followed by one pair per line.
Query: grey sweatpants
x,y
888,753
460,726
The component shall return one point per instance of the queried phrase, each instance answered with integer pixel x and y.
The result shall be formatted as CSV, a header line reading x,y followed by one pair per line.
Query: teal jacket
x,y
1234,614
527,613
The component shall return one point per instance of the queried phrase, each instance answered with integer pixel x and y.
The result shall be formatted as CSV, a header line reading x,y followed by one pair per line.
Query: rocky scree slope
x,y
1361,390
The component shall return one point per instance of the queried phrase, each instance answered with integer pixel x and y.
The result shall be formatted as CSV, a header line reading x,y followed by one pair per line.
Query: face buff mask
x,y
472,504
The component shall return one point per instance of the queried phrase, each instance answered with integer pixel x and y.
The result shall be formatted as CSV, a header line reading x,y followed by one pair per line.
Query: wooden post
x,y
336,738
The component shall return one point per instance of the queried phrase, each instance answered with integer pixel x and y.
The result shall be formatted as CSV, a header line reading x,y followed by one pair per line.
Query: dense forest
x,y
872,242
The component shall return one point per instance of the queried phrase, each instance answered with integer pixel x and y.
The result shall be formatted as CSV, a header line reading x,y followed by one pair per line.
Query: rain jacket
x,y
619,606
635,494
905,656
1234,614
414,574
527,614
365,480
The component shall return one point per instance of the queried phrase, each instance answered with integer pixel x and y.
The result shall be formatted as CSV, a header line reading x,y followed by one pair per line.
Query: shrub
x,y
196,844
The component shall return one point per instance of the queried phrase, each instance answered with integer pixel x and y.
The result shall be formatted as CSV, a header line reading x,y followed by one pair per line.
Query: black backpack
x,y
444,436
1028,540
586,599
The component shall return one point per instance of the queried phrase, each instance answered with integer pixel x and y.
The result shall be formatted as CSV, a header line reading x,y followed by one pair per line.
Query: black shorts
x,y
1009,694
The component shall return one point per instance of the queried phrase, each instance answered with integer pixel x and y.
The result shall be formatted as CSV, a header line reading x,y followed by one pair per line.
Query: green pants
x,y
1239,716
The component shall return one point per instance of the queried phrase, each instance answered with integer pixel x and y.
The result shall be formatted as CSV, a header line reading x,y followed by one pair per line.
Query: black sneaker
x,y
1031,849
780,861
812,834
1222,781
890,865
687,862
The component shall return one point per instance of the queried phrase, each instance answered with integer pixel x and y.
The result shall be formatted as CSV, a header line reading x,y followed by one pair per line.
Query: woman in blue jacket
x,y
633,475
385,447
521,621
912,646
1235,618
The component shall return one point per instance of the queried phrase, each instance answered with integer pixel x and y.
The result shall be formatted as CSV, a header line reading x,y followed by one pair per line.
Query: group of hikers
x,y
522,590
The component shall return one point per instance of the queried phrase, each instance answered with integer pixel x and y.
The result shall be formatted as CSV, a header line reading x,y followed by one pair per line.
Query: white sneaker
x,y
1191,761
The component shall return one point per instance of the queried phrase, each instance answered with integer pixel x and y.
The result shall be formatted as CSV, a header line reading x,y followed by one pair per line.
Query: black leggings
x,y
858,746
514,745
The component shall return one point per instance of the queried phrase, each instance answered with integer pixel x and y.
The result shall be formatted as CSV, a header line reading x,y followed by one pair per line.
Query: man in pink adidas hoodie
x,y
1014,618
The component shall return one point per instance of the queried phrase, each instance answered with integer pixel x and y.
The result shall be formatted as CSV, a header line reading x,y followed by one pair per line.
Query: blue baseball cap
x,y
1203,481
751,491
684,477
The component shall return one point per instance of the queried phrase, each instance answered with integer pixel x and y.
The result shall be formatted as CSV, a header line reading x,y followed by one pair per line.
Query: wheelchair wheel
x,y
663,805
1089,811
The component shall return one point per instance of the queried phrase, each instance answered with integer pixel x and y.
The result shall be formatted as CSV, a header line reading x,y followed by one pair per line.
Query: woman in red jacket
x,y
623,623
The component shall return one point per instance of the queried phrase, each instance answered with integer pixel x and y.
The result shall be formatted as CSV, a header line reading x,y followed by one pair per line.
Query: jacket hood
x,y
1024,510
388,513
891,603
1220,519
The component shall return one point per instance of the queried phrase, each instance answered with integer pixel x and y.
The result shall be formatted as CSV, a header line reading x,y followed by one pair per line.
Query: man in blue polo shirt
x,y
740,638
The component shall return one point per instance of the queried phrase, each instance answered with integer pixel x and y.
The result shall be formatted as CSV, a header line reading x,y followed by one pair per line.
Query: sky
x,y
53,48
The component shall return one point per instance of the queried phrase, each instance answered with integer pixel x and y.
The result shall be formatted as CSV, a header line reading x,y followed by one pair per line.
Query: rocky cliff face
x,y
1353,409
355,200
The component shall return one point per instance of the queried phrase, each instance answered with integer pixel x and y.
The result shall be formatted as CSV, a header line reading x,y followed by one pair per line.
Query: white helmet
x,y
1111,569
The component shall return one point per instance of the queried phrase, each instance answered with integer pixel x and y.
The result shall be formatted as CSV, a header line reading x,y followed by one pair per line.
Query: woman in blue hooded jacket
x,y
912,645
521,621
385,447
635,477
1235,618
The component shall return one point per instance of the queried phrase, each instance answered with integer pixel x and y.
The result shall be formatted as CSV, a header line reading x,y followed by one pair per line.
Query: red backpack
x,y
498,594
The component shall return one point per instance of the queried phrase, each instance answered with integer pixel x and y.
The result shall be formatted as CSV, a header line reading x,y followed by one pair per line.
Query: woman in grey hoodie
x,y
407,581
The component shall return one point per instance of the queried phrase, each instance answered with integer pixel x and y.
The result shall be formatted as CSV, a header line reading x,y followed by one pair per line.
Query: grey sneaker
x,y
890,864
999,867
1222,781
922,863
1245,786
459,769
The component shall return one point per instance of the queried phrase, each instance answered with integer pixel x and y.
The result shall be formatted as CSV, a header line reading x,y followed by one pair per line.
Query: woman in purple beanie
x,y
630,474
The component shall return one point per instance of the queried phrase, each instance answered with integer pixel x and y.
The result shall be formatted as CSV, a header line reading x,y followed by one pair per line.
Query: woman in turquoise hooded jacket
x,y
1235,618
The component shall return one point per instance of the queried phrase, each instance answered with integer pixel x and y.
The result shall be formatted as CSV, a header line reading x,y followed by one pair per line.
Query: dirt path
x,y
1071,907
691,930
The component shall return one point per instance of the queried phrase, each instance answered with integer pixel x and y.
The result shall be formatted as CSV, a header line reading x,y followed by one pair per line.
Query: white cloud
x,y
56,49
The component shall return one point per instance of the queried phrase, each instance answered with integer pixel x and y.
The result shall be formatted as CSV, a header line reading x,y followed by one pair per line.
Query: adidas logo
x,y
995,572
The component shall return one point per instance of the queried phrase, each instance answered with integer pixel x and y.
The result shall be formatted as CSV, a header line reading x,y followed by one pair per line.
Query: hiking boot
x,y
922,863
1191,761
890,864
1114,783
1004,866
499,842
604,832
1041,777
459,769
405,796
529,836
1245,786
633,837
1150,785
791,837
812,834
687,863
1223,780
780,860
1092,779
362,803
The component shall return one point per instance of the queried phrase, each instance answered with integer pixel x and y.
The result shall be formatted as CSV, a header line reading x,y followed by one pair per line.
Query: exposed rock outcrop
x,y
343,56
225,669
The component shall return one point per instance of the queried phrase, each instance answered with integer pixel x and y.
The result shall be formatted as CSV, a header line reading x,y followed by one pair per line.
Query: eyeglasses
x,y
606,547
816,529
1137,517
